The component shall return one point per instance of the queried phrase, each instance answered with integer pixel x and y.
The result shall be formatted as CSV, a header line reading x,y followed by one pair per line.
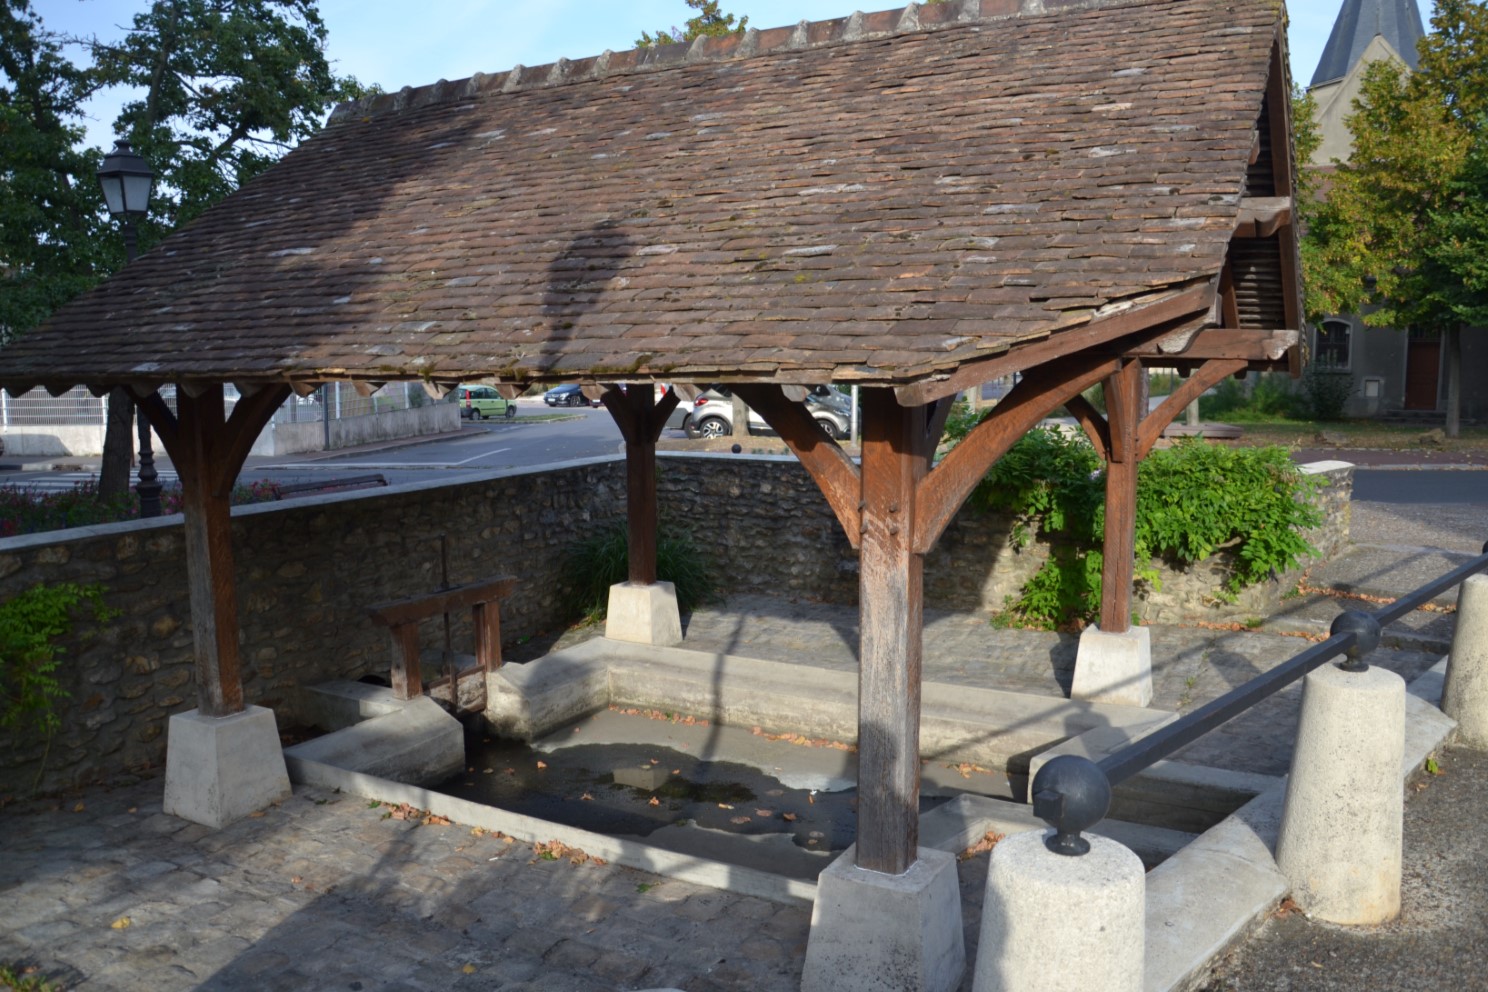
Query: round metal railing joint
x,y
1366,631
1071,794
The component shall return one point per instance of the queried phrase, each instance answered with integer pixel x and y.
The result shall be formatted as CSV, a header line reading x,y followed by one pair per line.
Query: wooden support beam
x,y
1124,395
1041,391
1228,342
207,448
1138,319
640,419
1207,375
896,456
826,462
461,597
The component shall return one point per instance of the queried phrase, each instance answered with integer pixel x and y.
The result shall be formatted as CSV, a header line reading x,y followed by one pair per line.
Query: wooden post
x,y
896,450
207,449
640,419
206,504
1124,398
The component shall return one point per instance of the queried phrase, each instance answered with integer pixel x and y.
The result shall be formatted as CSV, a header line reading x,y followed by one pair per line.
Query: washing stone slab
x,y
415,742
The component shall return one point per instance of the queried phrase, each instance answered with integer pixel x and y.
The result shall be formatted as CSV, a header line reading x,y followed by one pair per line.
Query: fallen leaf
x,y
436,821
477,831
601,862
541,765
655,762
255,815
764,812
788,817
988,841
122,923
739,819
80,807
654,802
295,880
586,798
131,809
469,969
724,806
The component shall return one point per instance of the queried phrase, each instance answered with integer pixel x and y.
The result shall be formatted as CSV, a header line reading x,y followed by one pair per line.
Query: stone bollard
x,y
1465,696
1341,828
1063,922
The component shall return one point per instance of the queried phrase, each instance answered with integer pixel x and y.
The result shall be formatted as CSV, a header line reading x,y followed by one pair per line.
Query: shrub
x,y
1193,500
1327,392
604,559
1267,398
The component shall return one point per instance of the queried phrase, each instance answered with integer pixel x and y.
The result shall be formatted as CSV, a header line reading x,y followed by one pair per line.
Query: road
x,y
1421,486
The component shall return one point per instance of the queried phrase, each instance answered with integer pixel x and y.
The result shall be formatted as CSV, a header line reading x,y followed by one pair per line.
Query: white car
x,y
712,413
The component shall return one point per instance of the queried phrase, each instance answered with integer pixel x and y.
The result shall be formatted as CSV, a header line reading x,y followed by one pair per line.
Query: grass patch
x,y
604,559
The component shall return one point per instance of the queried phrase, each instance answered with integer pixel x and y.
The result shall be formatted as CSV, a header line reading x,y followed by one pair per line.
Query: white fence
x,y
334,416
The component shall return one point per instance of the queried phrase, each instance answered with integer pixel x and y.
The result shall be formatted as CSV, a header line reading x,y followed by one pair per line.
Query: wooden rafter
x,y
1211,373
1225,342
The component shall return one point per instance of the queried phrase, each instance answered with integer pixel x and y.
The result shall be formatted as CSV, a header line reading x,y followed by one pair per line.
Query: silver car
x,y
712,413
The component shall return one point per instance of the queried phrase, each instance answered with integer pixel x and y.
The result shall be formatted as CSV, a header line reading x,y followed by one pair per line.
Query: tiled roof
x,y
878,198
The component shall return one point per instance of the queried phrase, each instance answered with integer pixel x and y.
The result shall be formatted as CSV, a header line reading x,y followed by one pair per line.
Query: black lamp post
x,y
127,180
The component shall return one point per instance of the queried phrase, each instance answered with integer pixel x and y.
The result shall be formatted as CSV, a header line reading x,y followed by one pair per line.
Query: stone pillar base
x,y
872,932
1055,923
1114,668
1341,829
1465,694
220,769
644,614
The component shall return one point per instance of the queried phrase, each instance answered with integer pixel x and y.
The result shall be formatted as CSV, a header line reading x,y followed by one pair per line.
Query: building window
x,y
1332,351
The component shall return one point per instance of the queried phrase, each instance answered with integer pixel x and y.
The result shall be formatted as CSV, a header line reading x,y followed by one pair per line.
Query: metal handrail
x,y
1072,793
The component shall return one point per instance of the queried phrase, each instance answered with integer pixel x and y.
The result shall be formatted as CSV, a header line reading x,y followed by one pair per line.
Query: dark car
x,y
567,394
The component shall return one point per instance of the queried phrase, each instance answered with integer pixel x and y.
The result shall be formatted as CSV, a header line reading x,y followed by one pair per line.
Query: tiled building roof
x,y
878,198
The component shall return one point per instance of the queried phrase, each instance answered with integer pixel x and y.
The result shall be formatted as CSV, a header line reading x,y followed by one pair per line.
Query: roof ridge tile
x,y
909,19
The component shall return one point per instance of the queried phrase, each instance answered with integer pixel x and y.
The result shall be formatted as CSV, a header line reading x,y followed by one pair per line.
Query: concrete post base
x,y
1341,828
1114,668
1053,923
1465,695
872,932
220,769
644,614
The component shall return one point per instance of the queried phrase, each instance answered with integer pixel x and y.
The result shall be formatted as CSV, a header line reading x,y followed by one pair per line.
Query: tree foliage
x,y
53,239
710,22
226,88
1401,232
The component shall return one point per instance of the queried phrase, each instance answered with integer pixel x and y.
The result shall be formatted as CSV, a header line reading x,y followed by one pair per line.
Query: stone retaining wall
x,y
308,569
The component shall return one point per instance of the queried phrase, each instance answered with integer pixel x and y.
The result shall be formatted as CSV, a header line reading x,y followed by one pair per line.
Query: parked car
x,y
712,413
477,402
567,394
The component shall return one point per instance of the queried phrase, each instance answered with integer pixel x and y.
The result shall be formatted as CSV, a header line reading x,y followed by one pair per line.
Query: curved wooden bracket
x,y
1207,375
1092,423
1041,390
838,478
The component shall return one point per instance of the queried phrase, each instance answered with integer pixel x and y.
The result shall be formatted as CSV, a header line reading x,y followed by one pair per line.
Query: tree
x,y
1396,230
709,23
54,242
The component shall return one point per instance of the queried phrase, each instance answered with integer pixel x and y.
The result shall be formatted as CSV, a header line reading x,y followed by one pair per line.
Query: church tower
x,y
1366,31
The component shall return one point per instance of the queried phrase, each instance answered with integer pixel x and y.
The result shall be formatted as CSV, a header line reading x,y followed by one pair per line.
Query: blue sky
x,y
395,43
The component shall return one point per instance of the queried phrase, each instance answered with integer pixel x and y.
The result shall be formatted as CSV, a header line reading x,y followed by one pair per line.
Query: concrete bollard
x,y
1465,695
1060,923
1342,826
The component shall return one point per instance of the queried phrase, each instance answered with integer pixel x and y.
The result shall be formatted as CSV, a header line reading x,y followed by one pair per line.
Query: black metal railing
x,y
1072,793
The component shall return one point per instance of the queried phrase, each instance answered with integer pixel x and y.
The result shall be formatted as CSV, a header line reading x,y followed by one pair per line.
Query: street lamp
x,y
127,180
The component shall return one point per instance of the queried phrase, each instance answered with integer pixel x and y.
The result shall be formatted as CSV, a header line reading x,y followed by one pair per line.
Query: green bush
x,y
1269,398
604,559
1193,500
1327,392
30,625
